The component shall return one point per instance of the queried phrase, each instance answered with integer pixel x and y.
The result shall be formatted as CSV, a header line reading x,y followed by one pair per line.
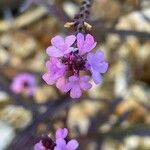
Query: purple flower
x,y
39,146
97,65
71,57
46,143
61,133
24,82
55,71
77,84
85,43
60,46
61,144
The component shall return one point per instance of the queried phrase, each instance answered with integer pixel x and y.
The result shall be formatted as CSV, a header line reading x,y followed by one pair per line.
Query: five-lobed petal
x,y
85,43
97,65
60,46
55,70
76,84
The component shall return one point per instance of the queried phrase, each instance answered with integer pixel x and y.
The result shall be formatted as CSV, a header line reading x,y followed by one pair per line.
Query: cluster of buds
x,y
72,65
60,143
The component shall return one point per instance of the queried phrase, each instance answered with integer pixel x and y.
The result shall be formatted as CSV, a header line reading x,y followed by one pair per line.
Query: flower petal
x,y
85,85
89,43
75,91
96,77
48,79
72,145
61,143
57,41
54,52
39,146
80,41
99,55
69,40
90,58
61,133
73,78
102,67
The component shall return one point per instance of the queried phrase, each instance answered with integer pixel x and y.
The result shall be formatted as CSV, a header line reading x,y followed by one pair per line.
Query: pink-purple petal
x,y
54,52
103,66
80,41
61,133
57,41
75,91
39,146
48,79
96,77
72,145
85,85
69,40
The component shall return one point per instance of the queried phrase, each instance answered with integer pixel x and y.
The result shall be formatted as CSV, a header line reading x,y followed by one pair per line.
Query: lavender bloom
x,y
24,82
61,144
55,70
97,65
60,46
85,44
70,56
77,84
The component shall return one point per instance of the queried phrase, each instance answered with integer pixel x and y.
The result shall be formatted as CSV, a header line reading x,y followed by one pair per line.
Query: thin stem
x,y
82,16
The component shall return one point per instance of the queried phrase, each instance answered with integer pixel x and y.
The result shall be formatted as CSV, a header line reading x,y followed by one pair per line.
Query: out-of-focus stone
x,y
45,93
110,144
7,135
37,63
4,56
17,116
70,9
136,101
19,43
79,115
4,97
135,21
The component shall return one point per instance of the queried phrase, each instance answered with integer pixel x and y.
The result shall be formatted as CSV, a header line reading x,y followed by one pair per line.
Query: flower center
x,y
75,62
48,143
25,84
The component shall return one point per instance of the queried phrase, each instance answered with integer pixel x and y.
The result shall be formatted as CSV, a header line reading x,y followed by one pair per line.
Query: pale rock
x,y
4,56
17,116
44,93
70,9
79,115
4,97
7,135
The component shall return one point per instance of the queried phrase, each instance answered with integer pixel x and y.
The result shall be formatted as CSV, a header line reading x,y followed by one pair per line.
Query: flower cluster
x,y
61,142
24,82
71,61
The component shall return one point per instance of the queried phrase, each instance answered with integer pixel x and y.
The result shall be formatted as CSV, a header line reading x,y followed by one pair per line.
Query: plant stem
x,y
82,16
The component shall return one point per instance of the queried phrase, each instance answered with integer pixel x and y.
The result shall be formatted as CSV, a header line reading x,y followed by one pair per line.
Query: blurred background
x,y
112,116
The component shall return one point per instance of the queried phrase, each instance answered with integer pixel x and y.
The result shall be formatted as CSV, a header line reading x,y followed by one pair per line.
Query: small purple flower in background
x,y
69,58
24,82
97,65
60,142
